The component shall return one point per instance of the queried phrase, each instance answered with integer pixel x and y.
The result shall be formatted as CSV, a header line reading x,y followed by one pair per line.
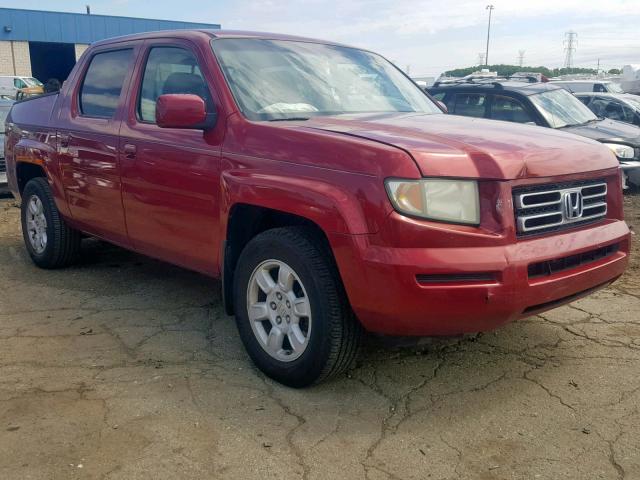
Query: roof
x,y
595,80
44,26
622,96
523,88
214,33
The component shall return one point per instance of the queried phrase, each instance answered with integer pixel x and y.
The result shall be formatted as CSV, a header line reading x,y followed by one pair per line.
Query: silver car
x,y
576,86
622,107
5,106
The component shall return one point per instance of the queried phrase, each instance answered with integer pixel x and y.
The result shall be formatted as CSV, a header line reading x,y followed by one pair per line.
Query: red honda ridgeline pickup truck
x,y
323,186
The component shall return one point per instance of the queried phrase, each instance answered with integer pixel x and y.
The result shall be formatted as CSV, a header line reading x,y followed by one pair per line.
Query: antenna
x,y
521,57
570,45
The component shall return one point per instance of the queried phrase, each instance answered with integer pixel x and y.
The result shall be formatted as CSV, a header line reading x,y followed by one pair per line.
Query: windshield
x,y
614,88
3,117
634,102
561,109
281,80
33,82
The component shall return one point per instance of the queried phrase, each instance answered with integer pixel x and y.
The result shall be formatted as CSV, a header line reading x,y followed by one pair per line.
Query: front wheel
x,y
291,309
51,243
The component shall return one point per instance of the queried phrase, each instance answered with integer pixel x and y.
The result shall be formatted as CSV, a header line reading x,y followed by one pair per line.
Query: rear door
x,y
171,176
88,141
469,104
509,109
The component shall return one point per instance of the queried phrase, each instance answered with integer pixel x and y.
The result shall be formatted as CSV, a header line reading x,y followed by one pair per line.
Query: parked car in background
x,y
622,107
5,106
546,105
575,86
16,87
322,185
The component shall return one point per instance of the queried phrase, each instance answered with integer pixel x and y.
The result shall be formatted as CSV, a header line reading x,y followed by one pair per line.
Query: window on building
x,y
470,104
509,109
103,82
169,70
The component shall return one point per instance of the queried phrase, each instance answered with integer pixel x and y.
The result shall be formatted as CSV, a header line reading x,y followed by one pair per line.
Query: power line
x,y
570,45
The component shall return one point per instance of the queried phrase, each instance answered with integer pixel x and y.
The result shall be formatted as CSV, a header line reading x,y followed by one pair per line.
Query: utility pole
x,y
570,45
521,57
88,7
598,67
486,57
481,58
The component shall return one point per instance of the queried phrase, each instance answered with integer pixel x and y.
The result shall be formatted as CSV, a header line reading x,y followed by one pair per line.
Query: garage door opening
x,y
51,60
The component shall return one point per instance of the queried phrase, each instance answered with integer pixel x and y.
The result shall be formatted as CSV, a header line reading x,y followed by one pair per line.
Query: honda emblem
x,y
573,205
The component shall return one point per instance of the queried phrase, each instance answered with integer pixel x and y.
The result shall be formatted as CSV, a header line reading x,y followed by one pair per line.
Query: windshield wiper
x,y
289,119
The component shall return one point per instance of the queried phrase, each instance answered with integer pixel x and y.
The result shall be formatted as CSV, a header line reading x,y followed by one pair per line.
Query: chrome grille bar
x,y
547,208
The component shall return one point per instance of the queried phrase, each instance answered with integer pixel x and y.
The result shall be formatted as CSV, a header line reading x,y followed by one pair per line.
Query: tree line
x,y
508,70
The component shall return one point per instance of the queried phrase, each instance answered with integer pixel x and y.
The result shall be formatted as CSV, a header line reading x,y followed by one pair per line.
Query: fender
x,y
333,208
43,154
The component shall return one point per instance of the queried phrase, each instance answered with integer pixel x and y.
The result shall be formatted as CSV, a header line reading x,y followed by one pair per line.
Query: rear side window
x,y
169,70
509,109
470,104
18,83
103,82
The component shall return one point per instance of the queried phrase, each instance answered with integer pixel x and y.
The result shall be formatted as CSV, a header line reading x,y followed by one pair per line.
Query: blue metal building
x,y
47,44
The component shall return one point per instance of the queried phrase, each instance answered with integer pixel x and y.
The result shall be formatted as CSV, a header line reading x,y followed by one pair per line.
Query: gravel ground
x,y
124,367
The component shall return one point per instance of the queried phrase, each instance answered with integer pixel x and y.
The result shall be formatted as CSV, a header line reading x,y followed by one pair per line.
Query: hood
x,y
608,130
454,146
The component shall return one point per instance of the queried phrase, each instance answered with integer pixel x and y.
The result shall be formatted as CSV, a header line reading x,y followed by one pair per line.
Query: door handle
x,y
129,150
65,138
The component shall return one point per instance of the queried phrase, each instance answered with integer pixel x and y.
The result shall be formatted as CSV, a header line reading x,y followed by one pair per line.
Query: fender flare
x,y
42,154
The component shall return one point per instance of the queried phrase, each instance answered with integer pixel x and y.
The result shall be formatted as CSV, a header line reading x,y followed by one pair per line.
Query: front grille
x,y
3,165
549,267
552,207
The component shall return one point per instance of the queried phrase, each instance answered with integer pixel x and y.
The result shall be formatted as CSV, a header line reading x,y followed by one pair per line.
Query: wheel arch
x,y
245,221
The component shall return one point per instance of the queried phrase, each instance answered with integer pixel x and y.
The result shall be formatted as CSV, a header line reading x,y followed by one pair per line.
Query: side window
x,y
18,83
169,70
618,111
599,105
103,81
598,87
439,95
469,104
509,109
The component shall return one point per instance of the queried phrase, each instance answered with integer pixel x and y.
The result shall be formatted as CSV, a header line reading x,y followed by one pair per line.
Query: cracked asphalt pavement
x,y
123,367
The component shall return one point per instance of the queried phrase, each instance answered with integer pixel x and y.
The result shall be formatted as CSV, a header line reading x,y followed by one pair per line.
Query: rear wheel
x,y
292,313
51,243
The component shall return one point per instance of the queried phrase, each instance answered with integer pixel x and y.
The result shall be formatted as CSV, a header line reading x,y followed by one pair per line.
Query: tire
x,y
61,243
333,335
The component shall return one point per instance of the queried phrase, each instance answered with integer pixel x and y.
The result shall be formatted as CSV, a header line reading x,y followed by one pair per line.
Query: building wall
x,y
80,48
14,58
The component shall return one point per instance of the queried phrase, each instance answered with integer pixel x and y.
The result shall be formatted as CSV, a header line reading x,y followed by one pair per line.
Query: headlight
x,y
454,201
621,151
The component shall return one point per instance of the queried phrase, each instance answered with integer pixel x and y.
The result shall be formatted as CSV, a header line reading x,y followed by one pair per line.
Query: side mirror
x,y
183,110
442,105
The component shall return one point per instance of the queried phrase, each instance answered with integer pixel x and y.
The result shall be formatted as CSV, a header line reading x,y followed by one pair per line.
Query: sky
x,y
426,37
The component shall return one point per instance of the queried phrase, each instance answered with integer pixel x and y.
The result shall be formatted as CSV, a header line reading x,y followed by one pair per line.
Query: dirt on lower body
x,y
123,367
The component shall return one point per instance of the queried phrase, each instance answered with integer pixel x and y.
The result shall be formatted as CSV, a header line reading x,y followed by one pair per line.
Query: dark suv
x,y
544,105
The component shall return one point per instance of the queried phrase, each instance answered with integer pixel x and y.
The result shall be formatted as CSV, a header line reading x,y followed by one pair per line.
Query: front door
x,y
171,176
88,143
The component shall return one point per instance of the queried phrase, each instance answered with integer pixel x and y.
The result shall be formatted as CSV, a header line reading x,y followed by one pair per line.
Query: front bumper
x,y
472,289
